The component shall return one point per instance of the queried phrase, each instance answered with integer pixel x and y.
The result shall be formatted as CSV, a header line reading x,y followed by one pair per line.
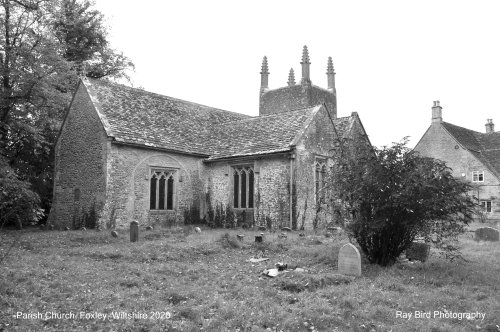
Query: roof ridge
x,y
91,80
476,132
271,114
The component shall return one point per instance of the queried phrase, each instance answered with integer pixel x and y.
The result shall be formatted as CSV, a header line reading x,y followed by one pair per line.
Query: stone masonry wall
x,y
80,173
129,170
437,143
271,187
316,142
273,200
295,97
320,96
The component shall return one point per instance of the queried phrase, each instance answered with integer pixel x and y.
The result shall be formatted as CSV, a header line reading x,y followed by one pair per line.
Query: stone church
x,y
129,154
473,156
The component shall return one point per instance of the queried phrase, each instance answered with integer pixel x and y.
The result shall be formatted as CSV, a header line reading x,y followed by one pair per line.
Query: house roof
x,y
484,146
139,117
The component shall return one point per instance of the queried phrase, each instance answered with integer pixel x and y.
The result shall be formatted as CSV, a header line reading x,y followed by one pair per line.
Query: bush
x,y
393,195
192,215
19,205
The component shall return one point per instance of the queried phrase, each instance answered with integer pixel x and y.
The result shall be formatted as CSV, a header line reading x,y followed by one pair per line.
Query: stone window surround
x,y
320,167
486,206
477,176
248,167
174,173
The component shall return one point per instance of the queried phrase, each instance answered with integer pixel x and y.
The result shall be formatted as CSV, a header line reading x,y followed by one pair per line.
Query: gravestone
x,y
349,261
418,251
487,234
134,231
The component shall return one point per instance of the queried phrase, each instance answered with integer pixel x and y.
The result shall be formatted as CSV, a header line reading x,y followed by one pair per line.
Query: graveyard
x,y
177,279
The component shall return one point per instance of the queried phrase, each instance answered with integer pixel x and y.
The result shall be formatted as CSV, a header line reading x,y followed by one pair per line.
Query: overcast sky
x,y
392,58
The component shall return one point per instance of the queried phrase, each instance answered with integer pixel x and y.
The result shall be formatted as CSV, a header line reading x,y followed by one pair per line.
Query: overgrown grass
x,y
205,282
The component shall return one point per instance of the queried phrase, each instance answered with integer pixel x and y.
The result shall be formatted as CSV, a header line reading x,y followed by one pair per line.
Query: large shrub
x,y
19,205
389,196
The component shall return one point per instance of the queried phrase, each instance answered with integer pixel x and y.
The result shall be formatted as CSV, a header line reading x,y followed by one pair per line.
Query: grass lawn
x,y
177,280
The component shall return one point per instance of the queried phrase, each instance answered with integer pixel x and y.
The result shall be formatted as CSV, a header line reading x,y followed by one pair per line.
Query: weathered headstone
x,y
349,261
487,234
418,251
197,230
114,233
134,231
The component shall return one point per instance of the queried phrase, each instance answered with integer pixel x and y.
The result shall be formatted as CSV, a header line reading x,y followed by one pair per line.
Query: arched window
x,y
243,187
162,188
319,179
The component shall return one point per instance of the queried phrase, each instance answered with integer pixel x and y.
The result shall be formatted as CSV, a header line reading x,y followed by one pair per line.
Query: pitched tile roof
x,y
264,134
484,146
145,118
139,117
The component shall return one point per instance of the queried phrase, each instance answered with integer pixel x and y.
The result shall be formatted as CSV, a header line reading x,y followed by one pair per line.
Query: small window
x,y
477,176
486,206
319,179
161,190
243,187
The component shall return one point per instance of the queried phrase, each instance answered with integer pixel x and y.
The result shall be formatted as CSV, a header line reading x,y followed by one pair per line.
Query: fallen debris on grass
x,y
257,260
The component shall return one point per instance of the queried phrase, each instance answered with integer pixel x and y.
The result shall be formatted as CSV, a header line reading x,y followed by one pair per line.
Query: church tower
x,y
295,96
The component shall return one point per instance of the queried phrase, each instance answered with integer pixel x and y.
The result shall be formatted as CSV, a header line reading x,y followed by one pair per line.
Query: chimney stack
x,y
437,114
490,126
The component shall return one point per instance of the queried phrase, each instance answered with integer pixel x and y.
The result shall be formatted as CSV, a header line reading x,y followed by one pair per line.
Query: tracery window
x,y
319,178
243,187
162,190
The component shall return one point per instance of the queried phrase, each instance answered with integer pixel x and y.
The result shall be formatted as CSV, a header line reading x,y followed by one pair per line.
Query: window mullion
x,y
247,179
157,203
240,187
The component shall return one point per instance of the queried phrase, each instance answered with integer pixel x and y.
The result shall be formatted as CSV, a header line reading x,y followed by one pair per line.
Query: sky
x,y
392,58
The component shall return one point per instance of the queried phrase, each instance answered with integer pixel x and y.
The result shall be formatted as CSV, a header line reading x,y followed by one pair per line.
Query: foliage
x,y
390,197
45,45
223,216
18,203
192,215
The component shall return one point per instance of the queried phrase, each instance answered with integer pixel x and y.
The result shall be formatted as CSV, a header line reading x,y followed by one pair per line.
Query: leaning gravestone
x,y
486,234
134,231
349,261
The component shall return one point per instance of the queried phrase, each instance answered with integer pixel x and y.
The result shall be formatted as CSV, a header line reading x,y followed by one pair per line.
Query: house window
x,y
486,206
477,176
161,190
243,187
319,178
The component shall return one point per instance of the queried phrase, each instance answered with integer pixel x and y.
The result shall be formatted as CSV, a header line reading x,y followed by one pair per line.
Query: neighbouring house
x,y
473,156
126,154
